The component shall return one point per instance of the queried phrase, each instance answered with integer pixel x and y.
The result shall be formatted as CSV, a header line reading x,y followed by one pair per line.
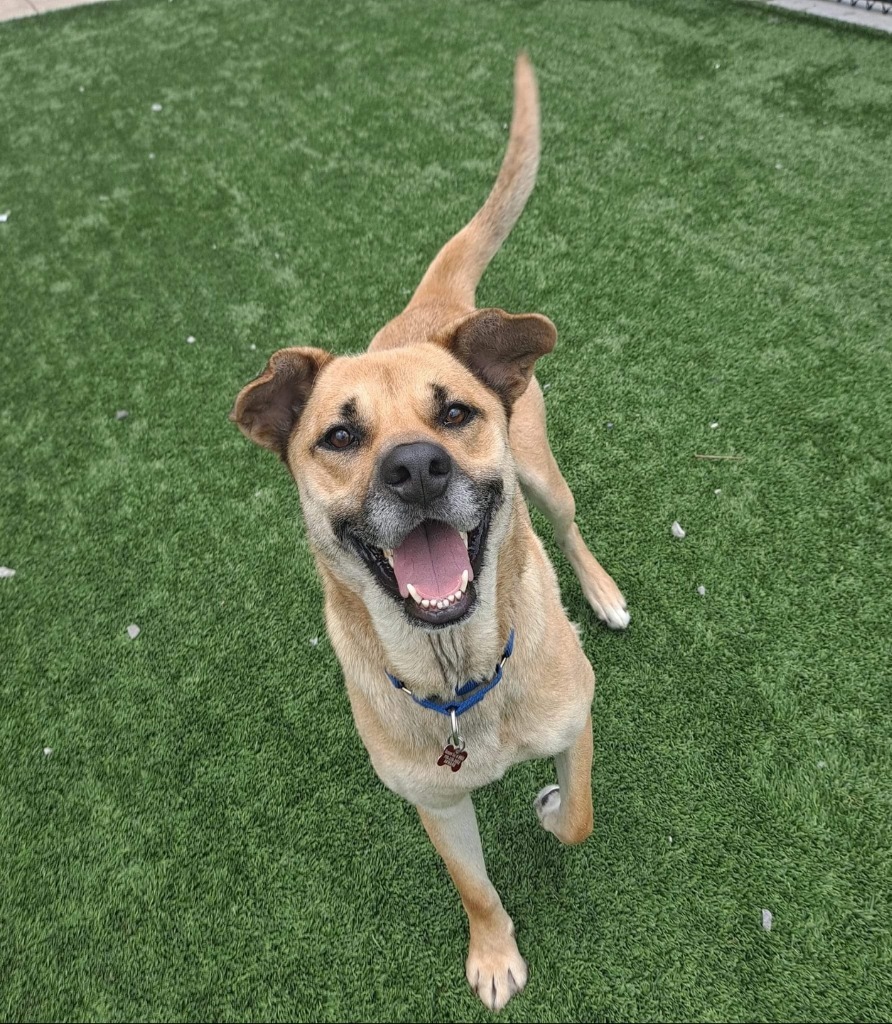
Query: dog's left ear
x,y
501,348
267,409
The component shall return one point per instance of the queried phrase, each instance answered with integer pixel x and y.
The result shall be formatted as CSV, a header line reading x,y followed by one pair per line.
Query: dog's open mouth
x,y
431,571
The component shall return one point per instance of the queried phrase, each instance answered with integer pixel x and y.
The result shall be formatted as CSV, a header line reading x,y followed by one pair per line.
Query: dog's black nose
x,y
418,472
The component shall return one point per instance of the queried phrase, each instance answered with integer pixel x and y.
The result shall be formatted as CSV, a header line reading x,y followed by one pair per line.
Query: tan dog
x,y
408,459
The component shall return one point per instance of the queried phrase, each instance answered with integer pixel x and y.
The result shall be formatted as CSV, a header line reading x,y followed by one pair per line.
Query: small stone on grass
x,y
6,573
157,108
133,631
47,751
767,919
677,531
701,590
121,414
190,340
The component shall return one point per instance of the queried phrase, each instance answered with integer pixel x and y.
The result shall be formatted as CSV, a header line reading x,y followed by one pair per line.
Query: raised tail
x,y
459,265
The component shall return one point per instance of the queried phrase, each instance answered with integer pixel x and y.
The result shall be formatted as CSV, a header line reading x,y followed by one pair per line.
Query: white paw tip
x,y
548,800
617,617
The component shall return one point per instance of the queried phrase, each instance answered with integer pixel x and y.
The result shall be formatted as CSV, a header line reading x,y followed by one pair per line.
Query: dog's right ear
x,y
268,408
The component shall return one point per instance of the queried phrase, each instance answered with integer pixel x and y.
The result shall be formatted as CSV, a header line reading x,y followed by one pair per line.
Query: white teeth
x,y
388,554
464,537
390,559
438,603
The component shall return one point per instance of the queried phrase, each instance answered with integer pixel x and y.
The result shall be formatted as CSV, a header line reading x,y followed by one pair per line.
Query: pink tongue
x,y
432,558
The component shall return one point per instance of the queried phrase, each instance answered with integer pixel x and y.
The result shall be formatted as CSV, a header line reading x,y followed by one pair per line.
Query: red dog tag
x,y
452,757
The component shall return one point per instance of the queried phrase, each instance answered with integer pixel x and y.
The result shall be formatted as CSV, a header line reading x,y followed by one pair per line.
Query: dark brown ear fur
x,y
501,348
268,408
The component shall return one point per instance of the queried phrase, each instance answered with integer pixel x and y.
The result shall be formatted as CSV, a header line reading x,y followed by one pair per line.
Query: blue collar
x,y
474,689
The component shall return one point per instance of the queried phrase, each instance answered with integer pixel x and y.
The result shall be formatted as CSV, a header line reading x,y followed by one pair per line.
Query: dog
x,y
412,461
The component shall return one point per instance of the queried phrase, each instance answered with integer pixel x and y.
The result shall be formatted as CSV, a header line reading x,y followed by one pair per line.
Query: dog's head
x,y
402,457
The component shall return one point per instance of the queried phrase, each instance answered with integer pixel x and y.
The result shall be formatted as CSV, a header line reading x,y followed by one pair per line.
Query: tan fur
x,y
542,708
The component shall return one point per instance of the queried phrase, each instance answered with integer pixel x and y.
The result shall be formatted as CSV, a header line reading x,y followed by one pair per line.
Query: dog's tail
x,y
459,265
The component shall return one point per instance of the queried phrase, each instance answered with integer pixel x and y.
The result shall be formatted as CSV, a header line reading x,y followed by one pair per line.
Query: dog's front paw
x,y
547,804
569,829
495,970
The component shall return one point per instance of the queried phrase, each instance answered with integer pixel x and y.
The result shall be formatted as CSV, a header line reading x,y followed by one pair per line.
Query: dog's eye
x,y
339,438
456,415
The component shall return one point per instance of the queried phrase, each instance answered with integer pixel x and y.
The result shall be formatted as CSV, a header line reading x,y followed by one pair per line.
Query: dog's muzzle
x,y
422,532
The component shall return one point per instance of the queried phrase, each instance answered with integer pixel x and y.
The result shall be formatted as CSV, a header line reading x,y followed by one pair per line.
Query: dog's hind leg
x,y
544,486
494,968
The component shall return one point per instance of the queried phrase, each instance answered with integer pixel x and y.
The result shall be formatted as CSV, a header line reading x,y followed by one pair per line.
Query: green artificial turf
x,y
710,233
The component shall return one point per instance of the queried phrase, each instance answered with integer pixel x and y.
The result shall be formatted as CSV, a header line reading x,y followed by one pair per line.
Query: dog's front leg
x,y
494,968
566,809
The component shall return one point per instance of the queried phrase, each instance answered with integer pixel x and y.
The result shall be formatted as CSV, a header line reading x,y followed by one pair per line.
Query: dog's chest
x,y
407,744
428,772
